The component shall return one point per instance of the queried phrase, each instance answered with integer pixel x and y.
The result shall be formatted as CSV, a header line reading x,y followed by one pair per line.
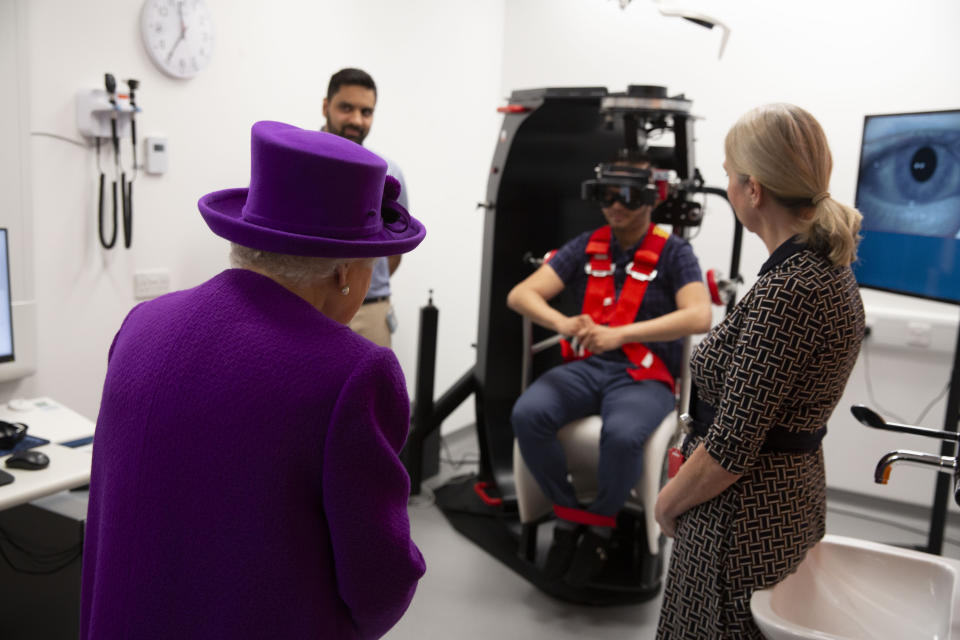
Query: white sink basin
x,y
855,589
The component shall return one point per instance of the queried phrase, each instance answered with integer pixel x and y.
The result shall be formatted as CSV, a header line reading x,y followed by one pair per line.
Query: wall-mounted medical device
x,y
108,114
155,154
97,110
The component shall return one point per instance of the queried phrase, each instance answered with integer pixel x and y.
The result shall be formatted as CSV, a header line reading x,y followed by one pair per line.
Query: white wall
x,y
15,197
437,65
442,67
839,60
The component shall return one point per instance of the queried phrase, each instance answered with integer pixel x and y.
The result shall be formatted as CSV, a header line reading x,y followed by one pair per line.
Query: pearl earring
x,y
345,290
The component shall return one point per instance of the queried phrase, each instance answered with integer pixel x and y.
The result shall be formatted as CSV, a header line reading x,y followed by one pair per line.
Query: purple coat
x,y
245,477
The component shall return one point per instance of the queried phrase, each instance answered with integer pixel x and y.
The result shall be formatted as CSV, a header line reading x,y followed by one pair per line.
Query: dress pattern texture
x,y
780,359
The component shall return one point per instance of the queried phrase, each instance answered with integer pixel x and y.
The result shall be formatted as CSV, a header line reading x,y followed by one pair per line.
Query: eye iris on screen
x,y
923,164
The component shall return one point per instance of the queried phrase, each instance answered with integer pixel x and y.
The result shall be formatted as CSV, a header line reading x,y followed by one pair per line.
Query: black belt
x,y
376,299
778,440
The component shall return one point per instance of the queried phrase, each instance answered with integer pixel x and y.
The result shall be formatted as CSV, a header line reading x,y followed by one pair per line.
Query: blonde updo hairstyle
x,y
784,148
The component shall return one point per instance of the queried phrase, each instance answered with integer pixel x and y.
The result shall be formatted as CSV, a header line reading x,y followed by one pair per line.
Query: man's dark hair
x,y
350,76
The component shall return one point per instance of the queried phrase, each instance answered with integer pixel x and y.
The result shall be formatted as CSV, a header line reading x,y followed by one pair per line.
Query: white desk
x,y
69,468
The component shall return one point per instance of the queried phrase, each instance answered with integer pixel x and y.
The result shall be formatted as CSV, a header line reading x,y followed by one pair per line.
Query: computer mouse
x,y
28,459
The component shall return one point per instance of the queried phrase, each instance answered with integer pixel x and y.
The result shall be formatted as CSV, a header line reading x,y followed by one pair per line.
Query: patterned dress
x,y
780,359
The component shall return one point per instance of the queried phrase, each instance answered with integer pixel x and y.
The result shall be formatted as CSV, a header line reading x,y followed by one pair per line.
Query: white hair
x,y
288,268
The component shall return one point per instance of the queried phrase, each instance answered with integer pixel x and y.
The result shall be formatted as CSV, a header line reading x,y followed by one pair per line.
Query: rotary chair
x,y
640,565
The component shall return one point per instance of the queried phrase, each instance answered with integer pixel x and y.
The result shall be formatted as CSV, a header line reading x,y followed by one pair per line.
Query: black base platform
x,y
632,575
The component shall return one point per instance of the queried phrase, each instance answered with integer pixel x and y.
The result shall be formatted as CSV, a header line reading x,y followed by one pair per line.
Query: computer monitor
x,y
6,313
908,191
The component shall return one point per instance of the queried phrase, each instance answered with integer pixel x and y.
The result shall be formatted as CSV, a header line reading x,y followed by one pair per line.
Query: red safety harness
x,y
598,301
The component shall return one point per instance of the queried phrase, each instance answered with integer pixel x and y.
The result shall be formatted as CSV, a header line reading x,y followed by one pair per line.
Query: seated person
x,y
629,343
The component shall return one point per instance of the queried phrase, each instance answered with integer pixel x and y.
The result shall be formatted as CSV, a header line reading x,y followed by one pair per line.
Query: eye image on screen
x,y
908,191
910,174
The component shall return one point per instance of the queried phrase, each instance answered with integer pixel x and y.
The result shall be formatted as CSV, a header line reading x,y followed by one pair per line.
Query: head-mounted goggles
x,y
626,184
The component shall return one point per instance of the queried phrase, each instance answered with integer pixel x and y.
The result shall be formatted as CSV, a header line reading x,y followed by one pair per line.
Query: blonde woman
x,y
750,498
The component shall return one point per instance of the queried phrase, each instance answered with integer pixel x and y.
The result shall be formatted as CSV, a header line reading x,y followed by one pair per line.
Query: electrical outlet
x,y
912,329
150,284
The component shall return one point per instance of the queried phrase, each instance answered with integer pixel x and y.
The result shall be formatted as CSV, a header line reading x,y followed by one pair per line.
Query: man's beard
x,y
351,133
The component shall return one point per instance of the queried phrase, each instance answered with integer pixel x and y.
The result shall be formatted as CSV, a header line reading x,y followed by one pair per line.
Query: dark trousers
x,y
630,410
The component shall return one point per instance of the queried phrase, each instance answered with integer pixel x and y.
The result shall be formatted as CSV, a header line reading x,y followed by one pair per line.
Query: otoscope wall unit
x,y
107,114
95,113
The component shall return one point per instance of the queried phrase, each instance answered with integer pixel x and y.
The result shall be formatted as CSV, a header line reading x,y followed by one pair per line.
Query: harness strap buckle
x,y
639,275
598,273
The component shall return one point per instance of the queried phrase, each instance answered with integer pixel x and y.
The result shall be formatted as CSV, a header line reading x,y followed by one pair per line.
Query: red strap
x,y
584,517
674,460
480,488
647,366
600,290
714,288
567,351
600,294
639,275
599,240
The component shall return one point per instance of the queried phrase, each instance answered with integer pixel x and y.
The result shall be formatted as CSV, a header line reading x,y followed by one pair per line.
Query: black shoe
x,y
589,560
561,552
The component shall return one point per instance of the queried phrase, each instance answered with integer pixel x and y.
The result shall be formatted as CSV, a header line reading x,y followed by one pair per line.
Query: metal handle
x,y
944,464
871,418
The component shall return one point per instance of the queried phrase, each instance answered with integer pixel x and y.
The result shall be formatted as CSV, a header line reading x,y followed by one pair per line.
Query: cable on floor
x,y
60,559
471,457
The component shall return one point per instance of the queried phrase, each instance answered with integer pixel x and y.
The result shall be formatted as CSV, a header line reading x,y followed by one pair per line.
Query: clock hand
x,y
183,31
183,25
174,47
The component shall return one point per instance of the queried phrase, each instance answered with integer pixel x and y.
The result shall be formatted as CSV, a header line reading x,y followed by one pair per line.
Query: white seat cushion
x,y
581,444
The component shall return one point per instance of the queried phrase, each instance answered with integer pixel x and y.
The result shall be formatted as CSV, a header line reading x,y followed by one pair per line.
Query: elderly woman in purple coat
x,y
246,480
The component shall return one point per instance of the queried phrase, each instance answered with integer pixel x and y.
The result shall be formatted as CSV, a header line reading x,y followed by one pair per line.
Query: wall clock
x,y
178,35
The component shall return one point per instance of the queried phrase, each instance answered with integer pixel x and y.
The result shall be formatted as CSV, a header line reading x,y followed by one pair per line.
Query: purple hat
x,y
313,194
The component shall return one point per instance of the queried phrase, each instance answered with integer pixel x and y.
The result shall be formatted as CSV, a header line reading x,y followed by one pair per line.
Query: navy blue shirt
x,y
676,268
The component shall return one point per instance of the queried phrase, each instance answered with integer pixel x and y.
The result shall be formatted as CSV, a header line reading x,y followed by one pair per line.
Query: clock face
x,y
178,35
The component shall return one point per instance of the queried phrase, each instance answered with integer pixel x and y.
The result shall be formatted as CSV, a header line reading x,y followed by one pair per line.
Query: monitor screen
x,y
908,191
6,315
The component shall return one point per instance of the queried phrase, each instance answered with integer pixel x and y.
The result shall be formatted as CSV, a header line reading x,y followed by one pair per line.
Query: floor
x,y
467,594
